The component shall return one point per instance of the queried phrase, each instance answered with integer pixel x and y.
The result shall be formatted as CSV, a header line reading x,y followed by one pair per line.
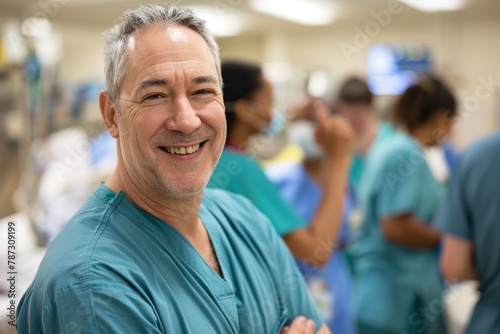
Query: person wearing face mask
x,y
302,184
399,287
248,98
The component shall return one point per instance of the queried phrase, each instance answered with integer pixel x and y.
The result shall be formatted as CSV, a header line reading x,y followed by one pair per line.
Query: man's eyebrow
x,y
204,79
151,83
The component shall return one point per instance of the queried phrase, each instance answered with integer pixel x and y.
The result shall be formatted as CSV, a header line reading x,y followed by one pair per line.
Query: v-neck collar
x,y
174,240
181,248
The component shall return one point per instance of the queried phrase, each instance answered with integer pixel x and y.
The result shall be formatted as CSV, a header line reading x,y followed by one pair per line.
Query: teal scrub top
x,y
393,278
358,160
240,174
115,268
471,211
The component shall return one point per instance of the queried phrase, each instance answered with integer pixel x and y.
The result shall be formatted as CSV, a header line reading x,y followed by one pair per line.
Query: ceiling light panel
x,y
307,12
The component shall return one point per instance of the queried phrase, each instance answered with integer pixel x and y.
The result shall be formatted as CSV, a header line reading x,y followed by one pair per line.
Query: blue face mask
x,y
301,133
276,125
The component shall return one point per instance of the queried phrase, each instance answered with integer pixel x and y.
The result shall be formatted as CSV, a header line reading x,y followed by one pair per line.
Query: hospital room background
x,y
54,149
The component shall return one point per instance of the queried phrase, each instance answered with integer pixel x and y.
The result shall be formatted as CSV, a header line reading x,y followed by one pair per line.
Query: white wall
x,y
82,53
466,50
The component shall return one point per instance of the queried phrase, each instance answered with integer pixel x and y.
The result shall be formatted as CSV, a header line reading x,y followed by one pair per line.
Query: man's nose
x,y
183,117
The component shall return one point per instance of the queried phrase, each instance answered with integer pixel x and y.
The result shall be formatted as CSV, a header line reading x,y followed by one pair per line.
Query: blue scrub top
x,y
240,174
471,211
392,278
330,285
115,268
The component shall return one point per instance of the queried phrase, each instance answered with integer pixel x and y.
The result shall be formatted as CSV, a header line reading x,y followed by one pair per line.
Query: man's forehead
x,y
159,51
164,35
168,43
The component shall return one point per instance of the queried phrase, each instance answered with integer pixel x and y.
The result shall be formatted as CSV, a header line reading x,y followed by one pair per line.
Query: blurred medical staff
x,y
355,102
398,278
301,185
248,97
470,217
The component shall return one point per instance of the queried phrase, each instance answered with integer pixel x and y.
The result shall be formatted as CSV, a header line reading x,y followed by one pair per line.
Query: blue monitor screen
x,y
391,68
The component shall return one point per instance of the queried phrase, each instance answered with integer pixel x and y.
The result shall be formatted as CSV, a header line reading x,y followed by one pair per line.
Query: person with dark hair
x,y
152,251
300,184
248,97
469,219
354,101
398,277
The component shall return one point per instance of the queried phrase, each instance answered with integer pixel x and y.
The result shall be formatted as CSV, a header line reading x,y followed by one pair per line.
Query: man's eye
x,y
153,97
204,91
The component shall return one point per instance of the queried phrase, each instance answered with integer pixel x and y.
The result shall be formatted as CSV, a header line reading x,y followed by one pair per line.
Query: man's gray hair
x,y
115,45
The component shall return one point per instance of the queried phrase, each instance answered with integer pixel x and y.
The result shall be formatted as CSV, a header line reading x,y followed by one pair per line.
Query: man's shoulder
x,y
226,200
485,148
235,211
84,244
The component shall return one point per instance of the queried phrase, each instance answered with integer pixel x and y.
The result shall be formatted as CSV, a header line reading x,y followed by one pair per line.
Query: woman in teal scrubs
x,y
399,287
248,97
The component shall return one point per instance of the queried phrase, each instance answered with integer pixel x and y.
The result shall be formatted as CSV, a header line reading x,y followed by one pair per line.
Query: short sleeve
x,y
94,307
400,182
453,216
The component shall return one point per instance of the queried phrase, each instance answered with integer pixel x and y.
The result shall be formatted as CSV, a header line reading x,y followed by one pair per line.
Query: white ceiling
x,y
103,13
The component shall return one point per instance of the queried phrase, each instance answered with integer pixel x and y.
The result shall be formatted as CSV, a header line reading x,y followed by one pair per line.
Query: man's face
x,y
172,126
358,115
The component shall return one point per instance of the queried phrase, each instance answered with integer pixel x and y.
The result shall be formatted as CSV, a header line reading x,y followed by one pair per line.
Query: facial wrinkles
x,y
177,67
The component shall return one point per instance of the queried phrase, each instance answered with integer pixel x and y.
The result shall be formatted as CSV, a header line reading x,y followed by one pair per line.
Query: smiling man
x,y
152,251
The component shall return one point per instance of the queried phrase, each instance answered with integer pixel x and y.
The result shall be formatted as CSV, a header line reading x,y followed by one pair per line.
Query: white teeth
x,y
182,149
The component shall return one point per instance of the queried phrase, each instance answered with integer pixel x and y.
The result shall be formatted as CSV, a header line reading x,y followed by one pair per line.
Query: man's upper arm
x,y
457,259
455,220
454,215
99,308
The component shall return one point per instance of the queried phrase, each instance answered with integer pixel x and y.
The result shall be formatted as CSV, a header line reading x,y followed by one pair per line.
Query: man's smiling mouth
x,y
182,149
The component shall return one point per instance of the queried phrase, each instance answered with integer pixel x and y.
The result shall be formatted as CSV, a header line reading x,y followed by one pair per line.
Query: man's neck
x,y
181,213
368,136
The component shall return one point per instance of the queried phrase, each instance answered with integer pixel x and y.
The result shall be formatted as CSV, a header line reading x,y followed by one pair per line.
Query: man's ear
x,y
109,114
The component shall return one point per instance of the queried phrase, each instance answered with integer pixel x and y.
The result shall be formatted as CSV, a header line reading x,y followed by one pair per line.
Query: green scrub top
x,y
394,279
471,211
358,160
240,174
115,268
